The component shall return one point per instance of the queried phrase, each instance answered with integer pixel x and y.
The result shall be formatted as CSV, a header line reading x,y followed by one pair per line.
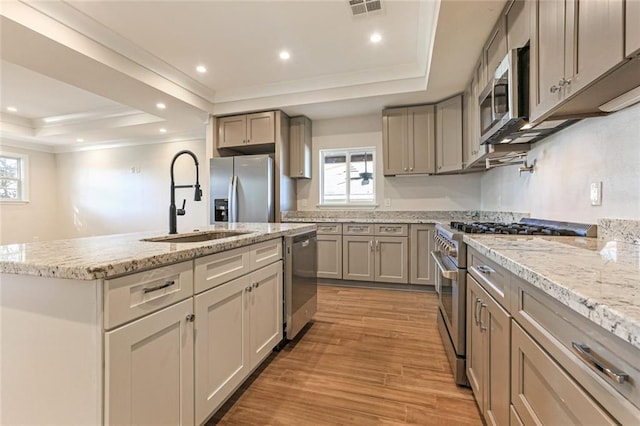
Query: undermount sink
x,y
195,238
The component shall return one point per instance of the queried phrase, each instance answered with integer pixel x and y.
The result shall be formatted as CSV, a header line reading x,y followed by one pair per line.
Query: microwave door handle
x,y
493,100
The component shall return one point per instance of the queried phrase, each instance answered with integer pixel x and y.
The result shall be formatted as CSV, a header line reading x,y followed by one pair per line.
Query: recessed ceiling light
x,y
284,55
12,109
163,130
79,140
375,38
201,69
160,105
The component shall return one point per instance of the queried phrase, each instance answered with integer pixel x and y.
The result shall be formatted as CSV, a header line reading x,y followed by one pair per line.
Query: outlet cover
x,y
596,193
387,202
303,202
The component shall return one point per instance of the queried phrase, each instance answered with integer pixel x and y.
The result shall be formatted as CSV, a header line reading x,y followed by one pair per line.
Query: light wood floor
x,y
370,357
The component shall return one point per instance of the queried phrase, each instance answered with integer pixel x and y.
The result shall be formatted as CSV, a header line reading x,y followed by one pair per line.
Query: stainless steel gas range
x,y
450,256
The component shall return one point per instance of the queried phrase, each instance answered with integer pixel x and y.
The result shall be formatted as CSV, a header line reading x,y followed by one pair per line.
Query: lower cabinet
x,y
330,256
421,266
488,349
358,258
375,258
237,325
149,369
543,393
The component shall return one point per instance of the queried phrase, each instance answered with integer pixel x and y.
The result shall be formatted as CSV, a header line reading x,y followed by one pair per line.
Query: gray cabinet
x,y
391,259
421,244
471,114
572,44
358,258
408,140
300,147
330,256
518,24
543,393
247,129
449,135
488,353
495,48
632,28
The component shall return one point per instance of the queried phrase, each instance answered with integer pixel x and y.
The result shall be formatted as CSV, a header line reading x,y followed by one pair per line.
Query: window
x,y
347,176
13,172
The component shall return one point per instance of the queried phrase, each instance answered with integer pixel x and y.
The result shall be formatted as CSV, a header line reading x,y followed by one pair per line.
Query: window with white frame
x,y
347,176
13,177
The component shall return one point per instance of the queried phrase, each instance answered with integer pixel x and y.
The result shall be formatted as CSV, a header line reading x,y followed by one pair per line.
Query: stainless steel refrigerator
x,y
242,188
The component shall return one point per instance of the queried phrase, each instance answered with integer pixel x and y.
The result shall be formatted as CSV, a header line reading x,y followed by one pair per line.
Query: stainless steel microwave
x,y
504,103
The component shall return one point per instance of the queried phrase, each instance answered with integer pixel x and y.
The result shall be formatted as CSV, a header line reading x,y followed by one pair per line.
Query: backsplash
x,y
372,216
627,231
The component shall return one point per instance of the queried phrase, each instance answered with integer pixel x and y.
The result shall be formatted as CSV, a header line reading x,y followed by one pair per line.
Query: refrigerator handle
x,y
233,199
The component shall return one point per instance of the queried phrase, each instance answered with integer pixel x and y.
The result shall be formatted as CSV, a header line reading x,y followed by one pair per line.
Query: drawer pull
x,y
585,353
391,229
485,269
158,287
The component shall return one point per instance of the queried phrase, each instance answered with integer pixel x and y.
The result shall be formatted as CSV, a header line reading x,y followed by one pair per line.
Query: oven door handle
x,y
446,273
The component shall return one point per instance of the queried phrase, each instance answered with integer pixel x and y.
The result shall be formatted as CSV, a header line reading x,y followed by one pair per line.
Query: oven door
x,y
451,289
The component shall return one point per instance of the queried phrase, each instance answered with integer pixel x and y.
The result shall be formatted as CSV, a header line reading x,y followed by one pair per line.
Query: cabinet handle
x,y
475,311
371,245
564,82
554,89
485,269
158,287
410,169
255,285
249,289
377,245
405,169
599,364
482,327
191,318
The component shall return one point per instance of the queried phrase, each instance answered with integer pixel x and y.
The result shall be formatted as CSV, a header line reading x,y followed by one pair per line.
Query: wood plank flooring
x,y
370,357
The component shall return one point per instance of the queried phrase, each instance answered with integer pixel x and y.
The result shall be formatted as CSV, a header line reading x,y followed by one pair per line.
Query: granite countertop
x,y
383,216
598,279
111,255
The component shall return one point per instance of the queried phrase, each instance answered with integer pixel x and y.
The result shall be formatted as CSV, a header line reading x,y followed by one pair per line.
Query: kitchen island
x,y
114,329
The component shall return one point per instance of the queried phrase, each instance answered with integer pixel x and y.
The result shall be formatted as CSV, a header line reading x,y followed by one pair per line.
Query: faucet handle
x,y
181,212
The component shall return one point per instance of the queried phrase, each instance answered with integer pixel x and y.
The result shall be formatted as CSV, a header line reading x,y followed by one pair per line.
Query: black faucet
x,y
173,212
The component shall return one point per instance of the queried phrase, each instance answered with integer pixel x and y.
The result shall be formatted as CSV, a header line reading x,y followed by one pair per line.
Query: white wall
x,y
605,149
37,219
98,193
456,192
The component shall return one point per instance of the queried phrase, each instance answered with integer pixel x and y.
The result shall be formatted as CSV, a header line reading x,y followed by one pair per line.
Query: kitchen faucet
x,y
173,212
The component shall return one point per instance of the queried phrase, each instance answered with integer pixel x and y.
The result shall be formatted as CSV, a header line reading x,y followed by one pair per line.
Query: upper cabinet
x,y
632,35
408,138
449,135
572,44
242,130
495,49
471,130
518,24
300,147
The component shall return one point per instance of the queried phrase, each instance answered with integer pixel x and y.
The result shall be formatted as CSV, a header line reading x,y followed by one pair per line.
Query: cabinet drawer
x,y
213,270
491,276
357,229
556,328
133,296
392,230
329,228
265,253
543,393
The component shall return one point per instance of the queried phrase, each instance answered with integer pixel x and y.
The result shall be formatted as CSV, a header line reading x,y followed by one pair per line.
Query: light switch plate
x,y
596,193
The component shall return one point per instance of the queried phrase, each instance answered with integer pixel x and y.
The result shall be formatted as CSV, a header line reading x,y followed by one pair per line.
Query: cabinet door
x,y
541,391
266,311
632,34
232,131
597,33
330,256
261,128
421,139
496,48
449,135
300,147
222,354
518,24
358,258
475,342
392,260
496,323
394,141
421,264
149,369
547,56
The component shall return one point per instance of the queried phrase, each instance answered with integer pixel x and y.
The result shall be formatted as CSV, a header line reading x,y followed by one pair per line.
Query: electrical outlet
x,y
596,193
303,202
387,202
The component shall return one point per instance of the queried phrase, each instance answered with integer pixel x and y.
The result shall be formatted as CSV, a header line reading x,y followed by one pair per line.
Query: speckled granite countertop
x,y
383,216
598,279
111,255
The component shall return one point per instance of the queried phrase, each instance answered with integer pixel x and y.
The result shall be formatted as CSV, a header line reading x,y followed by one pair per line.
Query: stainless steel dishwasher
x,y
301,282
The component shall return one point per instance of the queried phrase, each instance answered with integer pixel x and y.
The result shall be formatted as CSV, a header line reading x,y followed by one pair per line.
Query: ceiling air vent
x,y
359,7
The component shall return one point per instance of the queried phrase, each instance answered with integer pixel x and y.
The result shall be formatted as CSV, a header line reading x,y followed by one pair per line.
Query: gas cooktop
x,y
527,226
